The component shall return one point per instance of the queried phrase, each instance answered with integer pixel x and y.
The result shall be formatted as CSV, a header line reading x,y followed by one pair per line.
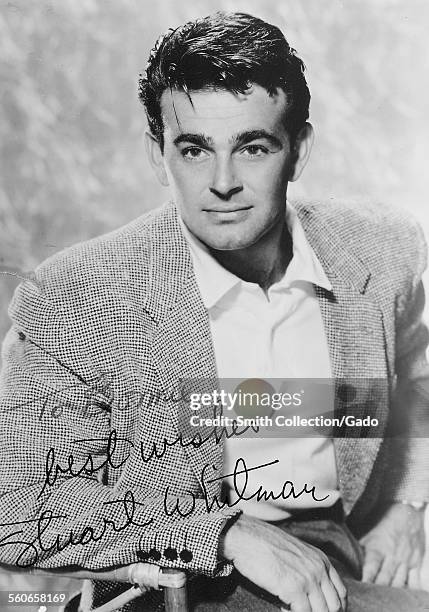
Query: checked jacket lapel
x,y
356,338
182,350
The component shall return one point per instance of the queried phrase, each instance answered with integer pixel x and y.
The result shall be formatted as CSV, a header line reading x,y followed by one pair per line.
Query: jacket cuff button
x,y
143,555
170,553
155,554
186,556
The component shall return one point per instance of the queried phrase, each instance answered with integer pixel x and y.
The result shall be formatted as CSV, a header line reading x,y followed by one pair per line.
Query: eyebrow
x,y
201,140
239,139
243,138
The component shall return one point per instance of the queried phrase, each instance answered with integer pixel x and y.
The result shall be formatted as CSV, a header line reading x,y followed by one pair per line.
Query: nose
x,y
225,182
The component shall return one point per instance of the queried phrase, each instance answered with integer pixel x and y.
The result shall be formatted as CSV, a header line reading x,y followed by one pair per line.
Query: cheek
x,y
185,178
269,180
280,179
274,170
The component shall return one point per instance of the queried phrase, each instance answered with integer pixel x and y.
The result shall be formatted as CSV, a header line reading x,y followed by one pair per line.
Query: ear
x,y
301,151
156,157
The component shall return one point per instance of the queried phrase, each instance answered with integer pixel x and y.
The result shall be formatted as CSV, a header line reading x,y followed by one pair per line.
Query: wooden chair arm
x,y
143,577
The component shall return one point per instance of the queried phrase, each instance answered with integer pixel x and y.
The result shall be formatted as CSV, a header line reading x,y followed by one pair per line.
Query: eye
x,y
193,154
254,151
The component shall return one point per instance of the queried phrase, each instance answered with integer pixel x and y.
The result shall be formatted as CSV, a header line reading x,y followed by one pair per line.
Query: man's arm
x,y
299,574
76,520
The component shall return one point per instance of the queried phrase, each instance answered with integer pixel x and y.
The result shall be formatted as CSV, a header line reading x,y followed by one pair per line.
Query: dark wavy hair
x,y
227,51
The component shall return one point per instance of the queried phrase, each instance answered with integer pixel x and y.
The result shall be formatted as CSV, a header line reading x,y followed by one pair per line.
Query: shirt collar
x,y
214,281
304,265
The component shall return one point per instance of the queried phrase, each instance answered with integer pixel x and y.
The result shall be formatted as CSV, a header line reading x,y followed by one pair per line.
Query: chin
x,y
227,243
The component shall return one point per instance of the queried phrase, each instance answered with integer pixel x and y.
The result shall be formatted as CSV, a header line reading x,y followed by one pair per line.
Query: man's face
x,y
227,159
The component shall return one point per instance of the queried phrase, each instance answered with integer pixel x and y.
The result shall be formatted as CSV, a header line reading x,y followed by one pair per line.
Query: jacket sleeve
x,y
408,469
76,519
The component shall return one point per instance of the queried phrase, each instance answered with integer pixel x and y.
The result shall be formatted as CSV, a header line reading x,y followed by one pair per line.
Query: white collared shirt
x,y
270,336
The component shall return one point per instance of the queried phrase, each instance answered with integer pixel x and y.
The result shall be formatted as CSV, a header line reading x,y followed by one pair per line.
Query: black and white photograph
x,y
214,377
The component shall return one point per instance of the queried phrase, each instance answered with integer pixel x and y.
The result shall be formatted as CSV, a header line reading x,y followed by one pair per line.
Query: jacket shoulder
x,y
105,264
386,238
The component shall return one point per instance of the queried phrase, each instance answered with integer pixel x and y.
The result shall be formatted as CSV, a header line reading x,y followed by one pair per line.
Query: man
x,y
226,281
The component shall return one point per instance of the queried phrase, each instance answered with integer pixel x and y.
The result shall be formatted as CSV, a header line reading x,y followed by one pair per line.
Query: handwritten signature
x,y
43,542
240,485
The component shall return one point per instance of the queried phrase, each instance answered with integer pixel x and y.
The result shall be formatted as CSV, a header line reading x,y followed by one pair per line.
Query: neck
x,y
264,262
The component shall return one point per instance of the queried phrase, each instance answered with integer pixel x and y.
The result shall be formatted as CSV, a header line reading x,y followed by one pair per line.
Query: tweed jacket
x,y
121,317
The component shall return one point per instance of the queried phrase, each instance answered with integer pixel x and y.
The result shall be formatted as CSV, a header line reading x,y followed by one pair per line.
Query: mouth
x,y
226,209
227,214
231,214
